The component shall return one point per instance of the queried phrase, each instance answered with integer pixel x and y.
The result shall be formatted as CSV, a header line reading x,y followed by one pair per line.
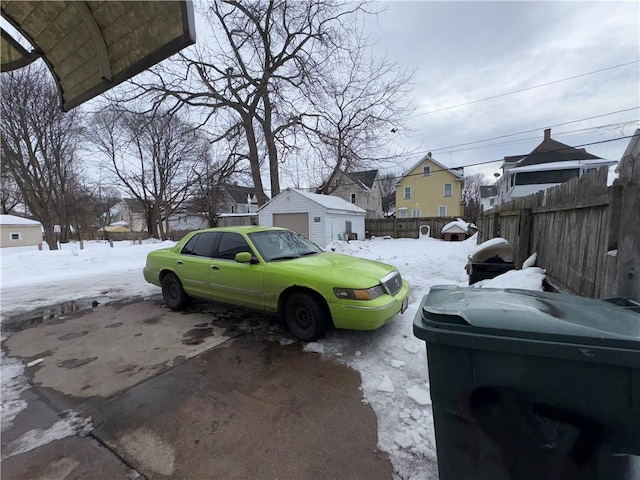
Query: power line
x,y
533,130
525,89
485,162
556,134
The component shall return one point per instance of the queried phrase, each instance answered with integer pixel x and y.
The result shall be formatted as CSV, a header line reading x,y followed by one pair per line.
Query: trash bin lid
x,y
541,317
493,247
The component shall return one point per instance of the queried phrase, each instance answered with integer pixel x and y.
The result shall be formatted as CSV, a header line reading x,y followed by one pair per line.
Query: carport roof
x,y
93,46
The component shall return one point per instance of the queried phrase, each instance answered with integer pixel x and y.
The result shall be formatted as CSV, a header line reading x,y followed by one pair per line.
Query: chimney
x,y
547,133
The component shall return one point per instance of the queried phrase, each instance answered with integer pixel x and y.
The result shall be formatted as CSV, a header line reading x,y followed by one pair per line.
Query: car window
x,y
200,244
230,245
282,244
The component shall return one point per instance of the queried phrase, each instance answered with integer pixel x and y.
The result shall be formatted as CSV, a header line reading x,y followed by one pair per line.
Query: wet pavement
x,y
216,392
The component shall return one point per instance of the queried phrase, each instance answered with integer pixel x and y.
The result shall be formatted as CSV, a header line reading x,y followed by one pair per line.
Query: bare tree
x,y
254,70
155,157
10,196
388,190
39,145
471,194
361,103
217,171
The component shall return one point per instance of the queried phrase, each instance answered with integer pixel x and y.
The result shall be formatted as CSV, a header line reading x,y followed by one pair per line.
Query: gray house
x,y
320,218
235,199
361,189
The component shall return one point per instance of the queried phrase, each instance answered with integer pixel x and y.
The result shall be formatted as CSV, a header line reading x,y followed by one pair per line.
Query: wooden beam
x,y
99,44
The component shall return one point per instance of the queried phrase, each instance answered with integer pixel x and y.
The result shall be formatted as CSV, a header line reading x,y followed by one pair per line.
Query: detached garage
x,y
19,232
320,218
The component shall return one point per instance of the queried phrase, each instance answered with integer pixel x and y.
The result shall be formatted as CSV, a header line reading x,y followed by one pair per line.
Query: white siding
x,y
336,225
332,222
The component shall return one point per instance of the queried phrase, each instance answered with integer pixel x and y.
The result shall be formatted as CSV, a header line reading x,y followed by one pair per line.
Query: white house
x,y
320,218
19,232
550,163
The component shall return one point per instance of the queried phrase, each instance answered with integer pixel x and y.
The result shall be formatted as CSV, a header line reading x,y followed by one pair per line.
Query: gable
x,y
364,180
442,173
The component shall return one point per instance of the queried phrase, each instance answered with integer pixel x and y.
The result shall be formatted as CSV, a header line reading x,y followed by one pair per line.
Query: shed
x,y
320,218
19,232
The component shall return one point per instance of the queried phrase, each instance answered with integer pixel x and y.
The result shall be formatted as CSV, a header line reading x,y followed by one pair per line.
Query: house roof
x,y
487,191
134,205
563,165
329,202
549,151
364,180
91,47
456,172
239,193
15,220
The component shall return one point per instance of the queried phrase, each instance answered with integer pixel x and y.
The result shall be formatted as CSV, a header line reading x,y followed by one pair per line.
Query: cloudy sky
x,y
468,51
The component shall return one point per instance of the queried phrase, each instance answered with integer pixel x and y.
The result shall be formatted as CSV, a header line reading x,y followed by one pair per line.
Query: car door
x,y
194,264
235,282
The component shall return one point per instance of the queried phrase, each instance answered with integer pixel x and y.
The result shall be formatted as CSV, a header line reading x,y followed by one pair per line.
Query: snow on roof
x,y
459,223
13,220
330,202
563,165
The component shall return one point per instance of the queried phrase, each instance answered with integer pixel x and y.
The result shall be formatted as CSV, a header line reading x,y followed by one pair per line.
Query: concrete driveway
x,y
213,393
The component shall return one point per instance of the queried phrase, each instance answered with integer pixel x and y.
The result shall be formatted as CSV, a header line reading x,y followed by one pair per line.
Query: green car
x,y
279,271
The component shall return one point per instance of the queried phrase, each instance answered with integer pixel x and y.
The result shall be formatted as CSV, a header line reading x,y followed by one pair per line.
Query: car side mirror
x,y
244,257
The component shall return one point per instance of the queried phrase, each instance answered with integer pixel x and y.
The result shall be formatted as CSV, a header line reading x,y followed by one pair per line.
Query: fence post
x,y
628,255
524,236
496,225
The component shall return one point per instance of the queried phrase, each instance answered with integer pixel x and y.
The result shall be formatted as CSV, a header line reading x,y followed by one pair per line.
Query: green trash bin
x,y
532,385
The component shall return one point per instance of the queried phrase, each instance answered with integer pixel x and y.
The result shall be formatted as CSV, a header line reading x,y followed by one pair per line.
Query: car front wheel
x,y
305,317
173,293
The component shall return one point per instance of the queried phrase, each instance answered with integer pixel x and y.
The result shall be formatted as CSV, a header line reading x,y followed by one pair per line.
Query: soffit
x,y
91,47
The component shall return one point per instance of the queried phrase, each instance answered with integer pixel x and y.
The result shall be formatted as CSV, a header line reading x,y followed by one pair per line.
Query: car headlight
x,y
359,294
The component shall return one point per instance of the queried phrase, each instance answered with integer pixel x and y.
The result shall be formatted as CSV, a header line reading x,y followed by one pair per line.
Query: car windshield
x,y
282,245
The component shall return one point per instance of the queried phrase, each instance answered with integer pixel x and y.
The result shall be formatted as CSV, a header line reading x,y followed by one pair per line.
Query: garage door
x,y
298,222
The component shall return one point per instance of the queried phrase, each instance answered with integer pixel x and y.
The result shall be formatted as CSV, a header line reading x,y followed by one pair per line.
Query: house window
x,y
348,226
353,198
15,236
416,213
233,209
407,193
402,212
442,211
426,171
448,190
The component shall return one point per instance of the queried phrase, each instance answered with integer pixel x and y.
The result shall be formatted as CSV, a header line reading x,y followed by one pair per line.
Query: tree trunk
x,y
254,160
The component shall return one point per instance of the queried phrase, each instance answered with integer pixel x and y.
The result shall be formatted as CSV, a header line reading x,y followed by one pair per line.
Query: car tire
x,y
306,317
174,295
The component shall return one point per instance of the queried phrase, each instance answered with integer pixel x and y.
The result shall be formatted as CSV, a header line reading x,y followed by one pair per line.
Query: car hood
x,y
341,270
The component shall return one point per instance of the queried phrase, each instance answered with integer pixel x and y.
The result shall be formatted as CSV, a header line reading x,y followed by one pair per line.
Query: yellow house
x,y
430,189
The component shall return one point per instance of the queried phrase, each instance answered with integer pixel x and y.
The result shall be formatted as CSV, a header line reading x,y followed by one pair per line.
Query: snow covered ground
x,y
391,361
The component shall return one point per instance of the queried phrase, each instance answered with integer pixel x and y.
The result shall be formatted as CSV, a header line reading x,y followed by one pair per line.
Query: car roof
x,y
242,229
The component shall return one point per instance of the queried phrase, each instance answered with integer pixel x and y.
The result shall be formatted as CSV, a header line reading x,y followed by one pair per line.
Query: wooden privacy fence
x,y
586,235
405,227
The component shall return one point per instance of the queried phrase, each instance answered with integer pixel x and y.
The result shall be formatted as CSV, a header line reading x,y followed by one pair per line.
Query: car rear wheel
x,y
306,318
173,293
